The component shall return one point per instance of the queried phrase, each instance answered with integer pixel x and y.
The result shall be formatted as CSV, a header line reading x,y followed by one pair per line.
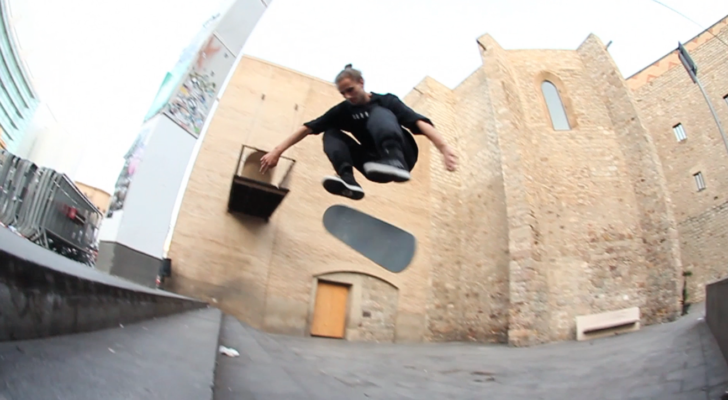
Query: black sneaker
x,y
391,167
344,185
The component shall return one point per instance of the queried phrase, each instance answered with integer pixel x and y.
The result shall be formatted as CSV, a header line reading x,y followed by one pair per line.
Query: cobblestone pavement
x,y
678,360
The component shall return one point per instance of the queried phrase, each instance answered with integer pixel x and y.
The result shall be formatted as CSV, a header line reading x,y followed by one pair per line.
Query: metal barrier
x,y
46,207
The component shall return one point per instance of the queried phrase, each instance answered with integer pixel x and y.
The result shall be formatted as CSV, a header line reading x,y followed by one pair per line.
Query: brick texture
x,y
371,308
658,279
536,227
671,60
379,310
703,241
264,273
584,235
468,296
669,98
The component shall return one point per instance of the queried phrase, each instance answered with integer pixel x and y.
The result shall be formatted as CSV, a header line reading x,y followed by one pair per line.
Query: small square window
x,y
699,181
679,132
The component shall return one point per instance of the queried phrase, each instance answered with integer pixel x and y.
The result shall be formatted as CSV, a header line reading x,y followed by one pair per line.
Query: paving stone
x,y
694,395
646,391
717,373
166,358
646,364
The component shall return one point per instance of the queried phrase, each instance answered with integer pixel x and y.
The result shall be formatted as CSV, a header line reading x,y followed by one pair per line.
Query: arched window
x,y
556,108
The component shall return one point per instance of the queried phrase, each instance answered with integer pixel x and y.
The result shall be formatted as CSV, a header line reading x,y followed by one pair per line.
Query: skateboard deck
x,y
383,243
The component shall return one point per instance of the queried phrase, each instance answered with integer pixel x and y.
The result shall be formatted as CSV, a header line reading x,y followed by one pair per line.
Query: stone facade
x,y
666,97
265,273
372,308
538,225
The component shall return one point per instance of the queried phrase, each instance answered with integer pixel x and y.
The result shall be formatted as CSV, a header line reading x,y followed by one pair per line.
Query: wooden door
x,y
329,314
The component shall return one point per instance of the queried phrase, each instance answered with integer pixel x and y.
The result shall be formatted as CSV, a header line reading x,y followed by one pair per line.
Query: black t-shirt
x,y
353,118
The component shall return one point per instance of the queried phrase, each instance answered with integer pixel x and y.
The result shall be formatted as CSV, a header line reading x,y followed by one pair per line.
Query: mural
x,y
192,102
173,78
185,96
132,158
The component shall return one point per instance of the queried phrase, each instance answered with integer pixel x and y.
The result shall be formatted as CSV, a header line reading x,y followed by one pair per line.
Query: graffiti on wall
x,y
191,104
132,158
187,58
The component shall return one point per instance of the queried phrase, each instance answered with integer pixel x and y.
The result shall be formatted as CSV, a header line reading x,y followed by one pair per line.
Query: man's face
x,y
352,91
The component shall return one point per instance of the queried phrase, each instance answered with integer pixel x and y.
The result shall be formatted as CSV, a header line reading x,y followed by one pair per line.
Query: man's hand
x,y
269,160
449,156
447,152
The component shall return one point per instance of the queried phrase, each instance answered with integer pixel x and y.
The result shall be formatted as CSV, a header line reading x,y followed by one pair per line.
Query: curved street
x,y
678,360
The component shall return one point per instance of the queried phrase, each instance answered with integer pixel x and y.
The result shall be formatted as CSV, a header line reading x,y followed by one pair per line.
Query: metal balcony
x,y
253,193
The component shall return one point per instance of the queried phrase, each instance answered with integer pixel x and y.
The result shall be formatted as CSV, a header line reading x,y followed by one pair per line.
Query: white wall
x,y
152,194
110,227
156,187
239,22
232,31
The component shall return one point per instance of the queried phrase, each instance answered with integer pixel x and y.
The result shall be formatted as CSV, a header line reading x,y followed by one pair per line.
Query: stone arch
x,y
371,309
251,167
556,102
344,271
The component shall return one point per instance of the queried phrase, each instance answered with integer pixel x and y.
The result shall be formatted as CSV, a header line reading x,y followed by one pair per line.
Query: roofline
x,y
673,50
279,66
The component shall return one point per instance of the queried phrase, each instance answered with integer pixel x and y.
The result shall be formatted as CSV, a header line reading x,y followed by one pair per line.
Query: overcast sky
x,y
98,64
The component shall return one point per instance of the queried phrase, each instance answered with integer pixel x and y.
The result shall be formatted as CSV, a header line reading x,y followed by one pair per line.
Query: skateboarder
x,y
384,151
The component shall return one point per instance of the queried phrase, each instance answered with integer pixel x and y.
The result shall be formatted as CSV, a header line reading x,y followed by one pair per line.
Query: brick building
x,y
572,197
693,154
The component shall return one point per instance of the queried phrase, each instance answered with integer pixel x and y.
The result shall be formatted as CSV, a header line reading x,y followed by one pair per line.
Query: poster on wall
x,y
132,158
191,104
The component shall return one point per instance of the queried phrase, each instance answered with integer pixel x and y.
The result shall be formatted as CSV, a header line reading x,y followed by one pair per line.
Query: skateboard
x,y
381,242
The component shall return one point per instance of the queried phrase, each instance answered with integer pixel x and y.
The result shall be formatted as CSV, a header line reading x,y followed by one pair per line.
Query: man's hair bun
x,y
349,72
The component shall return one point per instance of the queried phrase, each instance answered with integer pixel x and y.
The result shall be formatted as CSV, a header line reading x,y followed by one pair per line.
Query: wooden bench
x,y
609,323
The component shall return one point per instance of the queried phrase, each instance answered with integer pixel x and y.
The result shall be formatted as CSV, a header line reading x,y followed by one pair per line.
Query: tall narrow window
x,y
679,132
699,181
556,108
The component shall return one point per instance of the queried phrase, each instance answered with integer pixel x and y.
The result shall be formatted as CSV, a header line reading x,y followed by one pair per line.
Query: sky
x,y
99,66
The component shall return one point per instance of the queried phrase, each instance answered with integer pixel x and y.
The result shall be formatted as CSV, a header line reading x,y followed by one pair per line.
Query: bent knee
x,y
383,120
332,135
335,139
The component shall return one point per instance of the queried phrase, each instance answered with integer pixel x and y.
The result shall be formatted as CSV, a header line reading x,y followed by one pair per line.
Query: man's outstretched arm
x,y
270,160
313,127
421,125
436,138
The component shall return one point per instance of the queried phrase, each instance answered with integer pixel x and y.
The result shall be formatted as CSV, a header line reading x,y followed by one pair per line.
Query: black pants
x,y
343,151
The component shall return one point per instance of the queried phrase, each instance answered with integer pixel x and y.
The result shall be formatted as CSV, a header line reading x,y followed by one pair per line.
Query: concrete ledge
x,y
716,313
120,260
166,358
44,294
609,323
